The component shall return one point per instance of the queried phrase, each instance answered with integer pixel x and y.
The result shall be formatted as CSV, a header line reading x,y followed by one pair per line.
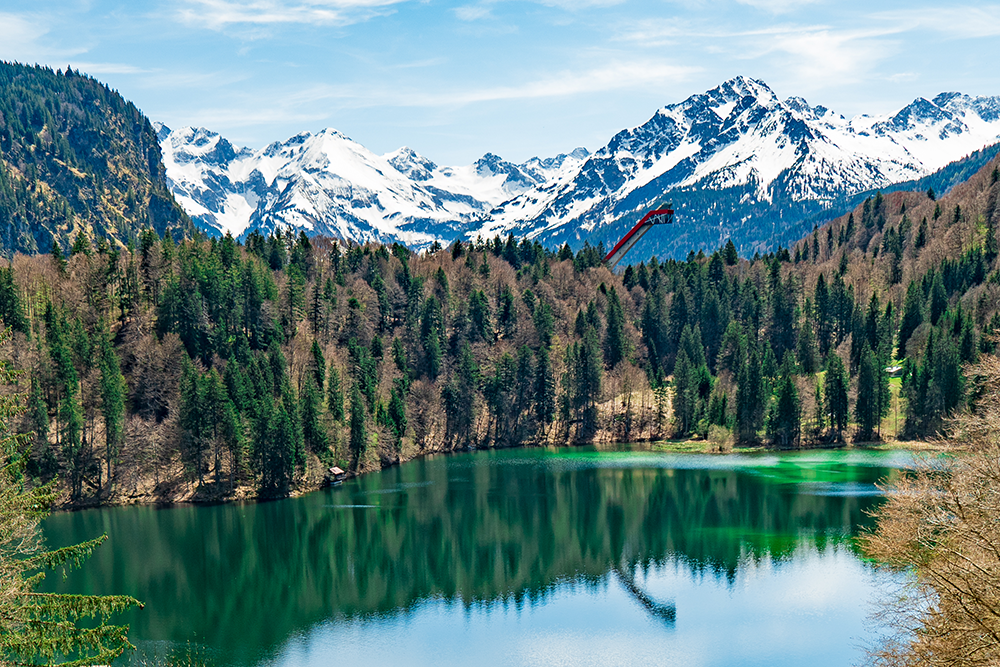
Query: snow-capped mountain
x,y
736,156
737,162
329,184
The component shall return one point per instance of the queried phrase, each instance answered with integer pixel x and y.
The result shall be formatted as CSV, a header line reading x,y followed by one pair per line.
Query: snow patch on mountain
x,y
738,138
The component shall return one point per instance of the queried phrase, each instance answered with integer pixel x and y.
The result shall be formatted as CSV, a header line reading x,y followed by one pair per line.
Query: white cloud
x,y
108,68
23,38
778,6
621,75
958,22
827,56
579,4
473,12
219,14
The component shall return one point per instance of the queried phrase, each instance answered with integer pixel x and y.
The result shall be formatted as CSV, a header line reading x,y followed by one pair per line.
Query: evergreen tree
x,y
939,299
58,258
808,350
614,336
313,433
545,388
866,409
749,398
683,394
819,415
913,317
544,323
318,365
835,394
335,395
785,419
397,411
11,310
729,253
459,398
38,627
588,375
113,393
359,436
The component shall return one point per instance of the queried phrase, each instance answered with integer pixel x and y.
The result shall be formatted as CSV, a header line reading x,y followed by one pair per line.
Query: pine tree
x,y
785,422
835,392
729,253
11,310
819,415
460,398
545,388
397,411
913,317
313,434
113,393
544,323
614,335
866,408
684,394
38,627
749,398
318,365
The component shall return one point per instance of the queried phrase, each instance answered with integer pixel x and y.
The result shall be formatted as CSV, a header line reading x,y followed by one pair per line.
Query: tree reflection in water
x,y
473,529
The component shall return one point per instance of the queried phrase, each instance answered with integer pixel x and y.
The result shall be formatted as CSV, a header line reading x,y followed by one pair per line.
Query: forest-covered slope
x,y
75,155
210,369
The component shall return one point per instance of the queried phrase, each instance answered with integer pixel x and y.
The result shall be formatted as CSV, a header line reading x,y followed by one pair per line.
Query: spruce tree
x,y
683,394
313,434
749,398
786,417
913,317
835,394
318,365
614,334
113,394
545,388
38,627
335,395
866,408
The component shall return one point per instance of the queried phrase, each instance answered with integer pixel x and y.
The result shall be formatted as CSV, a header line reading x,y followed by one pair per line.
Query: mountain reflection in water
x,y
470,534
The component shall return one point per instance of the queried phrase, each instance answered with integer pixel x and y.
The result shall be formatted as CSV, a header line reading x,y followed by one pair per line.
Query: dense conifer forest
x,y
76,157
206,368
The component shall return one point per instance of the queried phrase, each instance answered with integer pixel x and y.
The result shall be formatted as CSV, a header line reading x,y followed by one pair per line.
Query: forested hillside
x,y
75,156
210,369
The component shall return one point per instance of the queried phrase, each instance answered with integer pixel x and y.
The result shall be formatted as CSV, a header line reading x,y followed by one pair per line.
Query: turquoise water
x,y
519,557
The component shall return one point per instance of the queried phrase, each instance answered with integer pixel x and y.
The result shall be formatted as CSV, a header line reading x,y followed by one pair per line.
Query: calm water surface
x,y
517,557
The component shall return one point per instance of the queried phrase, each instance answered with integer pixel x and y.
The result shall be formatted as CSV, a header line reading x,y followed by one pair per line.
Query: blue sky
x,y
454,80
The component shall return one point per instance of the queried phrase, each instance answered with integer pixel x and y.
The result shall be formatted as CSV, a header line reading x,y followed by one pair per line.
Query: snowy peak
x,y
737,150
411,164
327,183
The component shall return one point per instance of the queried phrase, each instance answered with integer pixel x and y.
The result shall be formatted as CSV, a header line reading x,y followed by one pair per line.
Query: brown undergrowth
x,y
941,525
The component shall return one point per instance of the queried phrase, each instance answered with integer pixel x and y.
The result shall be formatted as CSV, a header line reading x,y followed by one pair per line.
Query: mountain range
x,y
737,161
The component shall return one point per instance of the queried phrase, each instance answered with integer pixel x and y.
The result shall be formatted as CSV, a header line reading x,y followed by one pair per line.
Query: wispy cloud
x,y
23,38
620,75
219,14
108,68
815,55
473,12
957,22
829,56
778,6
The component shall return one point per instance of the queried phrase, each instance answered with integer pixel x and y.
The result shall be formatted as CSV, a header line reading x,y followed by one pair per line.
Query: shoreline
x,y
313,482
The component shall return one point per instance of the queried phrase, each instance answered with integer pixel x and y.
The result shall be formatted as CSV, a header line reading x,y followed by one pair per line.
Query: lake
x,y
555,556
